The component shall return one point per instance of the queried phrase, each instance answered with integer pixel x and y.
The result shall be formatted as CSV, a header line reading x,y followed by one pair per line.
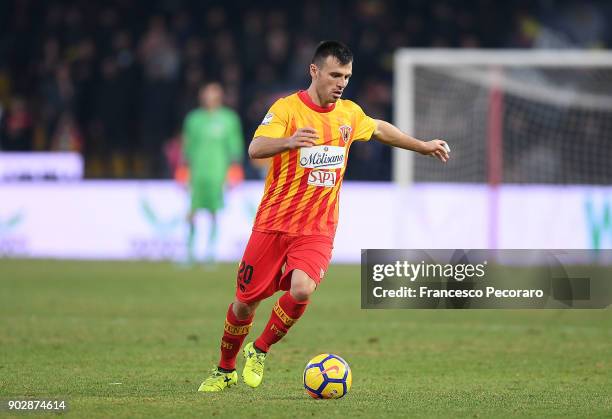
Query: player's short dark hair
x,y
336,49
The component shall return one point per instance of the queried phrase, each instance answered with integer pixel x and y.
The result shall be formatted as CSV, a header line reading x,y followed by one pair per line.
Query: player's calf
x,y
236,329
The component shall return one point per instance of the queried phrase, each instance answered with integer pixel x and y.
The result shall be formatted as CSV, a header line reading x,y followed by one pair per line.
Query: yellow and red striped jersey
x,y
302,187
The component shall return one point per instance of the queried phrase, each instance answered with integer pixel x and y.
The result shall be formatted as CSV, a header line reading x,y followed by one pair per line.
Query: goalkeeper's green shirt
x,y
212,140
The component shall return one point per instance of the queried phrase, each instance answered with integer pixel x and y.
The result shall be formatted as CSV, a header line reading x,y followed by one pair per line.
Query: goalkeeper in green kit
x,y
212,144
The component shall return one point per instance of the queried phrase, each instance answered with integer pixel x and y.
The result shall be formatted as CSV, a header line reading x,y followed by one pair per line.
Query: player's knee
x,y
302,292
244,310
302,288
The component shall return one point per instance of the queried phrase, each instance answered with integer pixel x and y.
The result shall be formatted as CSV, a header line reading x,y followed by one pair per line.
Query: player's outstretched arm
x,y
262,147
391,135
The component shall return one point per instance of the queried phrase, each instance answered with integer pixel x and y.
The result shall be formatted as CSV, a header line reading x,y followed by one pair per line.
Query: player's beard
x,y
329,97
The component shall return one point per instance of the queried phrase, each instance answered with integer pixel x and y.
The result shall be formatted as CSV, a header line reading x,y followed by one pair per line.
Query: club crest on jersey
x,y
345,133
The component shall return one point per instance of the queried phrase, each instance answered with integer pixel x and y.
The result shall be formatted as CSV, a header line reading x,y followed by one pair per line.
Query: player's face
x,y
211,96
331,78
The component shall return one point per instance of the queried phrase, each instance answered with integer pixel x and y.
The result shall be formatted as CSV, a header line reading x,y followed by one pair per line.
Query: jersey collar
x,y
305,98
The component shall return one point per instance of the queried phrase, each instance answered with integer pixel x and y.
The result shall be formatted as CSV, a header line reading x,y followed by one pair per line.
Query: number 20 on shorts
x,y
245,274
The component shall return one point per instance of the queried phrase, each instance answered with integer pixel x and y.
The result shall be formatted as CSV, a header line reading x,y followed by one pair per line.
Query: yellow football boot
x,y
254,365
218,381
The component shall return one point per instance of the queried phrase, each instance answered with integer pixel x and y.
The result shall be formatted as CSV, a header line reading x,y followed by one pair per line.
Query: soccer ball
x,y
327,376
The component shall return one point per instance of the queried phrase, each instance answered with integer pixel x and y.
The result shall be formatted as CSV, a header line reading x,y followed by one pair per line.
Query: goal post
x,y
509,116
460,95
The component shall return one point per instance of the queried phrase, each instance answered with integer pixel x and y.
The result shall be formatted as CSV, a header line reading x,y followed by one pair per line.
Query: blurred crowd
x,y
114,80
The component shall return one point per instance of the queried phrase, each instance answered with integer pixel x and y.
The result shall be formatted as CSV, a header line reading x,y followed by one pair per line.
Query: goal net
x,y
509,116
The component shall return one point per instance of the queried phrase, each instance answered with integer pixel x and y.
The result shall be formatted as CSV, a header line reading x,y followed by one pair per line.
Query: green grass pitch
x,y
75,330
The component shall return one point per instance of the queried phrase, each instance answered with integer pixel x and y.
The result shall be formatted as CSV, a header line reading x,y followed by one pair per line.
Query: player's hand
x,y
303,137
436,148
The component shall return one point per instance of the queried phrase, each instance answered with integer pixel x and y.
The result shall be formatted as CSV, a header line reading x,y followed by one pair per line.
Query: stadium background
x,y
116,79
109,83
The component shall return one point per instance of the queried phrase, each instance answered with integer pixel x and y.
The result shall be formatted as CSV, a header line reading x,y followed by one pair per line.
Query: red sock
x,y
285,313
233,336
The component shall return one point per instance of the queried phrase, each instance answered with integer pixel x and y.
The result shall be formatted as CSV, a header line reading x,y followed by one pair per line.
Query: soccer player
x,y
212,141
308,135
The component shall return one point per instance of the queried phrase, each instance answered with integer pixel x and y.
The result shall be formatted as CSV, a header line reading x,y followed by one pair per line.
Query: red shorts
x,y
269,259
